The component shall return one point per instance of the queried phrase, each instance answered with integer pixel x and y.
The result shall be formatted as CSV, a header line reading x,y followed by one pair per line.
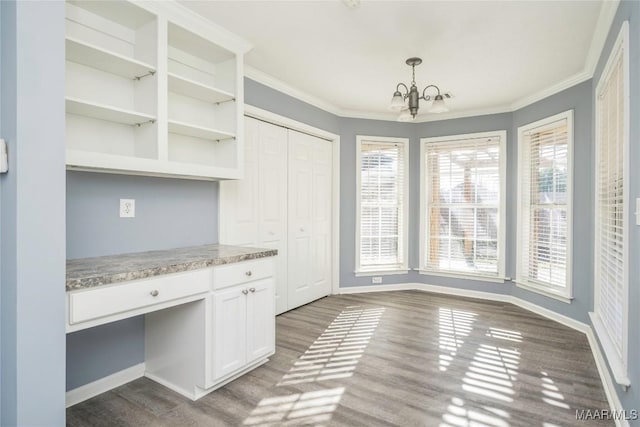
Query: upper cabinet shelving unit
x,y
152,89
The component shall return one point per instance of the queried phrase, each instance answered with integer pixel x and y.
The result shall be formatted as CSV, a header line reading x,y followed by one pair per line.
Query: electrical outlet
x,y
376,280
127,208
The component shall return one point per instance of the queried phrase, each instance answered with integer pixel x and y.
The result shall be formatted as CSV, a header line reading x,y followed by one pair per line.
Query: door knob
x,y
154,293
252,289
248,273
244,291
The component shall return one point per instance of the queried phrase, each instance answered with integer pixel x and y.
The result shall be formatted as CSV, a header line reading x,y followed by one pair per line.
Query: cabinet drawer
x,y
110,300
233,274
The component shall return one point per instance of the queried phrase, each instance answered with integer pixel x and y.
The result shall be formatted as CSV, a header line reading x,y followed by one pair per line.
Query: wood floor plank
x,y
406,358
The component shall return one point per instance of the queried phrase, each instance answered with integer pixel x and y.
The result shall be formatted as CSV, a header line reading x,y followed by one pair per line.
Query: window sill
x,y
365,273
617,365
492,279
544,291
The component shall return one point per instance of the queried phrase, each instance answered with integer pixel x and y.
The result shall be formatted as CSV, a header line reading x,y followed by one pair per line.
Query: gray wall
x,y
32,214
579,99
169,213
629,10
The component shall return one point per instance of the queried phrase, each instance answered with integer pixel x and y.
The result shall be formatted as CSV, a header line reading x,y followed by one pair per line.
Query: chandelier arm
x,y
427,97
406,89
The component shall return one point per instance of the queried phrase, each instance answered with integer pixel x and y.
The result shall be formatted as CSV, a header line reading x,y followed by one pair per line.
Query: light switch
x,y
127,208
4,161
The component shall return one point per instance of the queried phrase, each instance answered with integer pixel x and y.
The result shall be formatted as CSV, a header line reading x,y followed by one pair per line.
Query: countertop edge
x,y
89,282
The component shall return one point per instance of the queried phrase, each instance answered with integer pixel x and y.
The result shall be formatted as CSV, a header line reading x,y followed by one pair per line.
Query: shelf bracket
x,y
228,100
138,78
225,139
144,123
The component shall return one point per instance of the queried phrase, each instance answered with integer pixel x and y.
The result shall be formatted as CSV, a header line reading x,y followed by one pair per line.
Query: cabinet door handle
x,y
154,293
244,291
252,289
248,273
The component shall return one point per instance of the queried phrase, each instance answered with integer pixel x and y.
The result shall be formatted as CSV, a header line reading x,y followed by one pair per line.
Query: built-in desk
x,y
210,310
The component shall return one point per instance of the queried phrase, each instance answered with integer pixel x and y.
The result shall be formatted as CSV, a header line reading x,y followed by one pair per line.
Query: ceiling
x,y
491,55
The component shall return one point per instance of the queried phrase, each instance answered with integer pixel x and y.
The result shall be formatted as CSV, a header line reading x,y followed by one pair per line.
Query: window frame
x,y
403,268
502,209
618,361
522,282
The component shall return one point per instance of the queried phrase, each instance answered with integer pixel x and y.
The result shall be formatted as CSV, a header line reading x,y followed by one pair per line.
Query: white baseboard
x,y
105,384
601,364
378,288
607,381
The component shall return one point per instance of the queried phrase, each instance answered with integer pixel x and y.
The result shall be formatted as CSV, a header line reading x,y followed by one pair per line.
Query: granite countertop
x,y
90,272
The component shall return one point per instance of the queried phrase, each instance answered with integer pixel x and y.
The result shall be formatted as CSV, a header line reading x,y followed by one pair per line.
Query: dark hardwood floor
x,y
406,358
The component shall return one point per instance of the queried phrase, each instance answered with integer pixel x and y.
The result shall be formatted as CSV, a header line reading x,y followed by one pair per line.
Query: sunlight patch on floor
x,y
551,393
337,351
311,408
459,416
491,374
453,326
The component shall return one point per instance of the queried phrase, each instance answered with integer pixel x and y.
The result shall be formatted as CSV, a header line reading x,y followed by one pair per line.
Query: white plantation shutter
x,y
382,200
463,206
544,201
611,222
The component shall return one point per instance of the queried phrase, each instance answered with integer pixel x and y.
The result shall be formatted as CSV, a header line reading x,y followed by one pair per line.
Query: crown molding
x,y
605,20
277,84
551,90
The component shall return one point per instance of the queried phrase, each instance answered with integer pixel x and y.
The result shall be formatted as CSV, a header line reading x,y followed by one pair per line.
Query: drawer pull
x,y
244,291
154,293
252,289
248,273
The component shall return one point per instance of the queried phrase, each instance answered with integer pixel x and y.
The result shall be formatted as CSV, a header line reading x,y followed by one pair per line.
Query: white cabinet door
x,y
229,331
272,216
261,324
309,218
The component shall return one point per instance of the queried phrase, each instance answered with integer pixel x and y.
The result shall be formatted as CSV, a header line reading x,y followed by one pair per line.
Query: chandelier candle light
x,y
408,111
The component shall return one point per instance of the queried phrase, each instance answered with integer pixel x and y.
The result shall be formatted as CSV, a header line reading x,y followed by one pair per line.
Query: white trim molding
x,y
524,206
603,25
403,234
502,208
105,384
605,377
276,119
616,353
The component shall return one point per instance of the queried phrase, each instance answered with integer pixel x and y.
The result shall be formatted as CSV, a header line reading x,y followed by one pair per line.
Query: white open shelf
x,y
201,132
193,89
105,112
102,59
110,163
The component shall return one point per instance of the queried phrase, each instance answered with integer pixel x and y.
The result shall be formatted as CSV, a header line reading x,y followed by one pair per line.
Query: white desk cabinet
x,y
203,327
194,350
244,326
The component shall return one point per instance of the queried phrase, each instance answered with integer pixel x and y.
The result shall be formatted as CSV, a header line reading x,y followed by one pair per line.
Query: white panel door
x,y
272,203
309,197
229,331
321,217
239,198
261,324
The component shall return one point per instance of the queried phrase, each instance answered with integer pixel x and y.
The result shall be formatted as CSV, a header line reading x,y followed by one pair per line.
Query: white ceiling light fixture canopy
x,y
412,96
